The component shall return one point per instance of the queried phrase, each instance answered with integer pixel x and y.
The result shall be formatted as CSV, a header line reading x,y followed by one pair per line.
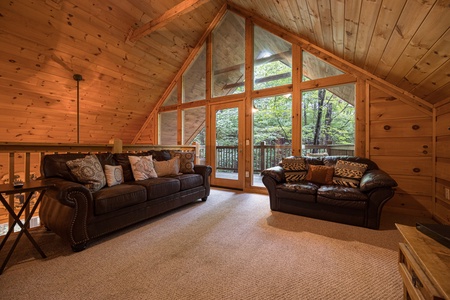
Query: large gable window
x,y
240,97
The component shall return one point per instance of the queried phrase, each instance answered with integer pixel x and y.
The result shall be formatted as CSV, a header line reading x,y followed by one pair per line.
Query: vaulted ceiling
x,y
129,51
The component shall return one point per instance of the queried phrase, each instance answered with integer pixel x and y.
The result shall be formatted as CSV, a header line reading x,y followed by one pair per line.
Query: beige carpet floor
x,y
229,247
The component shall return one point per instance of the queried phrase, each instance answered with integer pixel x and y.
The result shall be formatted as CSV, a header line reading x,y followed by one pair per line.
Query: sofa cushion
x,y
142,167
294,168
300,191
348,173
302,187
320,174
114,175
167,167
338,195
114,198
189,181
89,171
160,187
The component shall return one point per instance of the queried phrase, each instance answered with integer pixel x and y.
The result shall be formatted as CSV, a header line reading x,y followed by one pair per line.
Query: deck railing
x,y
266,156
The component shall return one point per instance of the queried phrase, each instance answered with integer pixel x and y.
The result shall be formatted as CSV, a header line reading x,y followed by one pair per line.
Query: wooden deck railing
x,y
265,156
22,161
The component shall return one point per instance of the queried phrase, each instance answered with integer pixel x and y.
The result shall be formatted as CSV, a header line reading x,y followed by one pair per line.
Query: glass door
x,y
227,146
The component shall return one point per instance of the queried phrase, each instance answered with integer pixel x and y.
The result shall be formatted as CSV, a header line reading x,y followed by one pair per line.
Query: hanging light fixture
x,y
78,78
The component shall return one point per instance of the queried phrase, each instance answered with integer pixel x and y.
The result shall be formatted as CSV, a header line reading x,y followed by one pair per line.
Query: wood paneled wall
x,y
401,143
442,191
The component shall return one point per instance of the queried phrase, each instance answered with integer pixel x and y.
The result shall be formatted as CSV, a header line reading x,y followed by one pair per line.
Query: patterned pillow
x,y
348,173
88,170
142,167
320,174
187,159
167,167
294,169
114,175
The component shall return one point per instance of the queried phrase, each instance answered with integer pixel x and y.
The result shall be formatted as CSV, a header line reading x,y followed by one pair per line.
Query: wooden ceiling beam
x,y
161,21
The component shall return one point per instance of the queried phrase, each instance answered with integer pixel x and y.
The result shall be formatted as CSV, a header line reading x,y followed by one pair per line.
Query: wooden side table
x,y
424,265
31,188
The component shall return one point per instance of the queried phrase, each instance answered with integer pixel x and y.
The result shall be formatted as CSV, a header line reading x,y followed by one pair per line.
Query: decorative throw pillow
x,y
320,174
348,173
187,159
294,169
167,167
114,175
142,167
88,170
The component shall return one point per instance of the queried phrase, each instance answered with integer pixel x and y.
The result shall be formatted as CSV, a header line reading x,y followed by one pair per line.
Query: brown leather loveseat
x,y
79,214
345,189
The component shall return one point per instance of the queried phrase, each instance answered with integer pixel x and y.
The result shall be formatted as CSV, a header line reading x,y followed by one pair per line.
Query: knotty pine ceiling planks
x,y
43,43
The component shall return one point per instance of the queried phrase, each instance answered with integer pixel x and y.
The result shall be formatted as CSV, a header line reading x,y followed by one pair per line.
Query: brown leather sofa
x,y
361,205
78,215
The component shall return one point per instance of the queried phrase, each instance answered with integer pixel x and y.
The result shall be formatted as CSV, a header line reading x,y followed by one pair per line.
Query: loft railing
x,y
22,161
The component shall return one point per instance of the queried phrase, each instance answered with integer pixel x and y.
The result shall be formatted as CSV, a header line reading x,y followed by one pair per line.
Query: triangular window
x,y
228,56
315,68
194,79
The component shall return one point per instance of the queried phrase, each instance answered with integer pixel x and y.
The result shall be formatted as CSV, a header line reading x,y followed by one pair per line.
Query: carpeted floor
x,y
229,247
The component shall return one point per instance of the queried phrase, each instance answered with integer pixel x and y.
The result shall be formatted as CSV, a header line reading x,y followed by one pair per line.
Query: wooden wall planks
x,y
401,143
442,190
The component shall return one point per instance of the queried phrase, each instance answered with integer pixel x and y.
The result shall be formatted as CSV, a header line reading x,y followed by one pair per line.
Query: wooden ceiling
x,y
129,51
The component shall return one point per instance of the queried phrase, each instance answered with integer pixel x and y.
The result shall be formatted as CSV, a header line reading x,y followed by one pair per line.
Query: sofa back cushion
x,y
54,165
160,155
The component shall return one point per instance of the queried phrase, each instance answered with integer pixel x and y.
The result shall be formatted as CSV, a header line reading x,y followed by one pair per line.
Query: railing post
x,y
11,180
262,156
197,152
117,145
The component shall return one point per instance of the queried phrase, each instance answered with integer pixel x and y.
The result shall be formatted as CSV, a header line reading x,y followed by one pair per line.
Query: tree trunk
x,y
328,123
321,99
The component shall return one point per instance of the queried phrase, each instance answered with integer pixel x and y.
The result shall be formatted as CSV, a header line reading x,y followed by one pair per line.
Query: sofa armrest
x,y
376,179
205,171
65,209
276,173
63,188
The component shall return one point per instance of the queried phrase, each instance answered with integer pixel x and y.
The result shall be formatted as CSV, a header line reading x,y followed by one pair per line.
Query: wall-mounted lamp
x,y
78,78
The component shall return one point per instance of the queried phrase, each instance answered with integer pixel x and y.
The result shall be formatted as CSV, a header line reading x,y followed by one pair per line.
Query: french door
x,y
227,150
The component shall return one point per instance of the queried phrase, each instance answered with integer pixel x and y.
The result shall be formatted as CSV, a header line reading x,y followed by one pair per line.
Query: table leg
x,y
23,227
